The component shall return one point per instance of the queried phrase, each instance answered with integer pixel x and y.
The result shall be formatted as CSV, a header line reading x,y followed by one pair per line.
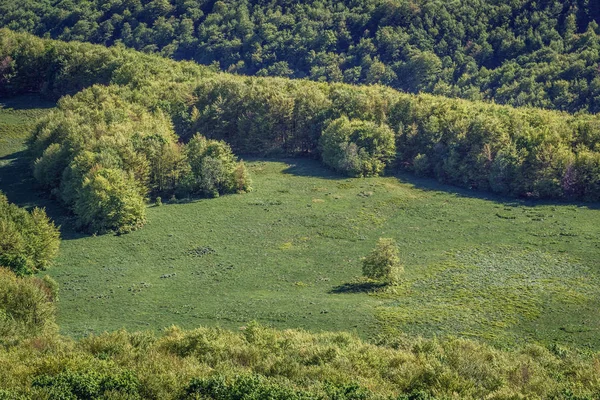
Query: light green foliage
x,y
518,152
28,241
118,152
383,263
213,169
109,200
357,148
263,363
26,306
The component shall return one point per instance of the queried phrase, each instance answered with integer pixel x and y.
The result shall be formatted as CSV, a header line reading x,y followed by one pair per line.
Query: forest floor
x,y
288,255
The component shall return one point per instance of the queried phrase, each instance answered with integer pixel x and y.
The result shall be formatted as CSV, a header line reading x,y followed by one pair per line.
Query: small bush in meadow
x,y
383,263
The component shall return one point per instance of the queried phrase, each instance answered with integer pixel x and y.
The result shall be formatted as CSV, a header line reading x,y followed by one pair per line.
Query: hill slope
x,y
523,52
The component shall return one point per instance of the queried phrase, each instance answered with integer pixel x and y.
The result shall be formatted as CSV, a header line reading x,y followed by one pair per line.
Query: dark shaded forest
x,y
519,52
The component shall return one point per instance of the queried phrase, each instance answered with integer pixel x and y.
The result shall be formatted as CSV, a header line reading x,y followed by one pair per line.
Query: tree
x,y
356,147
110,200
29,241
26,305
213,169
383,263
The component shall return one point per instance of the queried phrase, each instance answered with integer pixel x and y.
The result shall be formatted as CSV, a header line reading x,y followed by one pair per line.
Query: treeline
x,y
522,52
102,156
518,152
262,363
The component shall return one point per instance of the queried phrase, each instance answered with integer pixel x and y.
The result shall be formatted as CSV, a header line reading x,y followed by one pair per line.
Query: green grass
x,y
288,255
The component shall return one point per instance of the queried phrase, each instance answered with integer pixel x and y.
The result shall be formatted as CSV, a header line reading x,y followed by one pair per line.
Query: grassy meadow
x,y
288,255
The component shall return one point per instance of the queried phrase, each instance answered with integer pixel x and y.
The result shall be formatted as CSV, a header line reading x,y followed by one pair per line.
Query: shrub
x,y
28,241
110,200
242,178
26,305
356,147
383,263
89,385
213,169
421,165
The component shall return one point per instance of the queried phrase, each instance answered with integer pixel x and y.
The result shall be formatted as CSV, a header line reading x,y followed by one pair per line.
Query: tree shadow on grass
x,y
314,168
357,287
26,102
430,184
19,186
311,168
300,166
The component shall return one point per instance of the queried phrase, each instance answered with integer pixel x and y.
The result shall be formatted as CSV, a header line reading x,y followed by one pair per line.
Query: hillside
x,y
522,52
172,231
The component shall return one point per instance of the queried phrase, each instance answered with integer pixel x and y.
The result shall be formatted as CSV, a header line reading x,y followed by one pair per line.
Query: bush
x,y
213,169
383,263
421,165
109,200
356,147
26,305
28,241
89,385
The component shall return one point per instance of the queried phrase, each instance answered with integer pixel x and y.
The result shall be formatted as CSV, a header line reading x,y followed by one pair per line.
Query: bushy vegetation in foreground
x,y
259,363
27,307
28,240
536,53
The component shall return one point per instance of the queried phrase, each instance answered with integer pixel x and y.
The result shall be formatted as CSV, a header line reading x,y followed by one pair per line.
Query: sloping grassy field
x,y
288,255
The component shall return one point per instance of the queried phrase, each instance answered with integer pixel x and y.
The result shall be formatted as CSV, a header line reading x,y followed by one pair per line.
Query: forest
x,y
252,199
522,152
518,52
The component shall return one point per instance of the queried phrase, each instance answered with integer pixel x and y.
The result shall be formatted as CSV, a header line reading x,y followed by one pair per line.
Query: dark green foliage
x,y
26,306
242,388
256,387
542,54
28,240
357,148
88,385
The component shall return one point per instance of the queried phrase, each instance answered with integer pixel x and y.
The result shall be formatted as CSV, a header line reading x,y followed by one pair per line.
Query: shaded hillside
x,y
522,52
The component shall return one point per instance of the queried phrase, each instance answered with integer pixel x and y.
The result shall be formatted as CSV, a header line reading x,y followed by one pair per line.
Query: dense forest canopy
x,y
520,52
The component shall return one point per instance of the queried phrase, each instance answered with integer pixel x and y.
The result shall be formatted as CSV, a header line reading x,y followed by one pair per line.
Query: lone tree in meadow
x,y
383,263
